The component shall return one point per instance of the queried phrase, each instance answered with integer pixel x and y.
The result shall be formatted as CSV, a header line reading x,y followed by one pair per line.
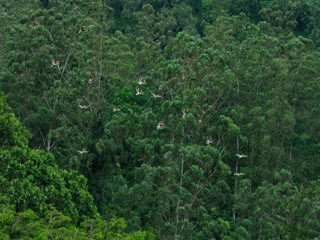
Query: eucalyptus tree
x,y
67,62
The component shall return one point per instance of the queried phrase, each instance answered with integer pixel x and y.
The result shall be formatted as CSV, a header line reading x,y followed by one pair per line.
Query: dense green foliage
x,y
38,200
152,101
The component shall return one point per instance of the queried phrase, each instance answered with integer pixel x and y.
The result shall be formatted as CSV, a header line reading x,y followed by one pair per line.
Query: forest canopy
x,y
159,119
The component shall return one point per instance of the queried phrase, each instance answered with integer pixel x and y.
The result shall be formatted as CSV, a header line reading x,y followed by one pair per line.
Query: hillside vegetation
x,y
160,119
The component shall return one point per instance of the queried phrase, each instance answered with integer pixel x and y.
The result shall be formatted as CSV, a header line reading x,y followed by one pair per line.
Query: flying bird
x,y
55,63
160,125
241,155
82,151
139,91
91,79
184,112
82,29
83,106
141,81
156,96
238,174
209,141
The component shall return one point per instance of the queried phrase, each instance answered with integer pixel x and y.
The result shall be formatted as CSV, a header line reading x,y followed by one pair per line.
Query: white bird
x,y
91,79
115,109
241,155
160,125
82,151
82,29
156,96
142,81
83,106
139,91
184,112
55,63
200,121
209,141
238,174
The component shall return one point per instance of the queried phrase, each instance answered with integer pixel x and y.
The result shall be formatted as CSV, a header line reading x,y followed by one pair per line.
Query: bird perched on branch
x,y
115,109
35,23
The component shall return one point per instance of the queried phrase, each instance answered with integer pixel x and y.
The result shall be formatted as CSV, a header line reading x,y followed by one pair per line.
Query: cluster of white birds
x,y
141,82
161,124
139,91
239,155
